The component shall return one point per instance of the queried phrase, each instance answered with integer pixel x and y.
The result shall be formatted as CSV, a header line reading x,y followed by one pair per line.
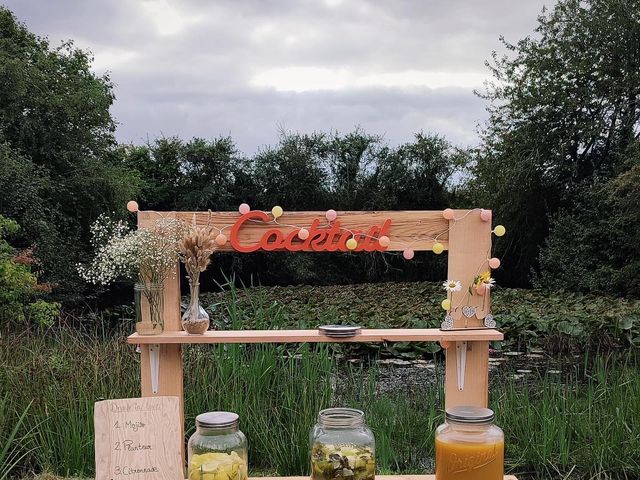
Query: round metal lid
x,y
217,419
469,414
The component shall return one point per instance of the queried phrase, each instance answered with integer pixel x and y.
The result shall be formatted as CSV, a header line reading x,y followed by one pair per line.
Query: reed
x,y
580,425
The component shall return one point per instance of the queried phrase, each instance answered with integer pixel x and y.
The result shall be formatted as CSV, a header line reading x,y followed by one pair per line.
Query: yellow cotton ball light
x,y
351,244
446,304
499,230
277,211
437,248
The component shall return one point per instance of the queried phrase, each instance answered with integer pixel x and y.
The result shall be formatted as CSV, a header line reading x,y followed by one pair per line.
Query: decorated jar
x,y
342,446
218,449
469,446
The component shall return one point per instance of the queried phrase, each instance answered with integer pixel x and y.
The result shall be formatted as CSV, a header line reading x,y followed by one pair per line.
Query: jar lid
x,y
217,419
469,414
340,417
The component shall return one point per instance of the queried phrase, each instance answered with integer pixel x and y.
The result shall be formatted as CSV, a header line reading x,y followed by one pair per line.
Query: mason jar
x,y
342,446
218,449
469,446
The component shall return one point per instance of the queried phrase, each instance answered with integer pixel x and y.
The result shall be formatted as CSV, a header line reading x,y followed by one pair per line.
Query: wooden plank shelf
x,y
315,336
378,477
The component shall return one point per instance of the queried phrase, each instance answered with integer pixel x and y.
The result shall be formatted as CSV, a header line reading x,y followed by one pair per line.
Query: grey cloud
x,y
197,82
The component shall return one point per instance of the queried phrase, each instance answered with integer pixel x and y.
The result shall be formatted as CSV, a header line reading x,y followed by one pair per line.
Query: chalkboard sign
x,y
138,438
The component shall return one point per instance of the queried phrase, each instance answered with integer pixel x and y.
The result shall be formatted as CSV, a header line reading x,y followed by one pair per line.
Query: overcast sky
x,y
247,68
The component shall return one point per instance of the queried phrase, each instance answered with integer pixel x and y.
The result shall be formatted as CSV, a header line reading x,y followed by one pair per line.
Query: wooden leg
x,y
169,378
476,376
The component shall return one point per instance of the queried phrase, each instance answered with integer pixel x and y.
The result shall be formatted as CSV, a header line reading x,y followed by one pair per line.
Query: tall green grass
x,y
15,444
583,425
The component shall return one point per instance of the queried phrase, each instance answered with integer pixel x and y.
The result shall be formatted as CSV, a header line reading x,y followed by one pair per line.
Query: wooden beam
x,y
469,251
415,229
170,380
378,477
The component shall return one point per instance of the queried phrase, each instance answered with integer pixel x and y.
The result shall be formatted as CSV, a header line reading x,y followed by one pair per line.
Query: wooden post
x,y
170,380
469,251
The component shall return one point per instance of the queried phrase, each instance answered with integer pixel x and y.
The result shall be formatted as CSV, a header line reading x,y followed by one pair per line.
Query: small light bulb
x,y
277,211
448,214
221,240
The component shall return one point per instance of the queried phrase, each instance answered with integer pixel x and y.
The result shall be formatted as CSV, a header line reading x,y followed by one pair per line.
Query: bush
x,y
19,286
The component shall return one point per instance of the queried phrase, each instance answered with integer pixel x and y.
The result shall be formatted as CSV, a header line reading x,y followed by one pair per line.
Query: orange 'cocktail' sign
x,y
326,237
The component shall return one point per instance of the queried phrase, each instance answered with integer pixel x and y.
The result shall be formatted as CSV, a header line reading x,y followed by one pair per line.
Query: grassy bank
x,y
585,426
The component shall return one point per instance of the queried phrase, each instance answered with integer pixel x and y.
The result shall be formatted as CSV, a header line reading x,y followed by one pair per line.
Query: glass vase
x,y
195,319
149,299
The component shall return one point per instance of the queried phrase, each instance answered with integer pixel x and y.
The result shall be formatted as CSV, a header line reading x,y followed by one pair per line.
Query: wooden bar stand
x,y
467,238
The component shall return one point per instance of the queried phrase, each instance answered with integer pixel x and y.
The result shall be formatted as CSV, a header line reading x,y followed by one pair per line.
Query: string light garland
x,y
331,215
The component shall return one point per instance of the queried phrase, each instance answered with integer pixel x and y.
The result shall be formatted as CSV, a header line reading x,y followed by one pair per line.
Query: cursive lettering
x,y
325,238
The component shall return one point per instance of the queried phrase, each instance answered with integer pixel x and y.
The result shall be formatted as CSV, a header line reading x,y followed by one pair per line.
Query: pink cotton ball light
x,y
384,241
132,206
485,215
448,214
221,240
303,234
244,208
494,263
331,215
408,253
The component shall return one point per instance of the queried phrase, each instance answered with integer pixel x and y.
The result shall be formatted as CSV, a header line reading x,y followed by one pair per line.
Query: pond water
x,y
397,375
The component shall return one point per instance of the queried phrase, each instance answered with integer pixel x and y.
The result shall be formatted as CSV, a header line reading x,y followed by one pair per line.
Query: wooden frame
x,y
467,238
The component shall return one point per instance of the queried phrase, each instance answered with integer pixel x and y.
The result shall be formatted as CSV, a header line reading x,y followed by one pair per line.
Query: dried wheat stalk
x,y
195,250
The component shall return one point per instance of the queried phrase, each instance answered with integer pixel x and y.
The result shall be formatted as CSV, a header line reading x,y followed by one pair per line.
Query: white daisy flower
x,y
488,283
452,285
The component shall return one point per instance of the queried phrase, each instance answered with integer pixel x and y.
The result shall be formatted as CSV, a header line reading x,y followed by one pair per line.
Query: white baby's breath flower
x,y
150,255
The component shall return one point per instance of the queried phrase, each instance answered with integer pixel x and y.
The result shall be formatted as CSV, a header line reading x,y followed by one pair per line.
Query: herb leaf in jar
x,y
333,462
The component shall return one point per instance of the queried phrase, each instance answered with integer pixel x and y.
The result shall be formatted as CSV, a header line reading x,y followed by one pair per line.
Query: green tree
x,y
417,176
293,174
564,112
595,246
56,129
